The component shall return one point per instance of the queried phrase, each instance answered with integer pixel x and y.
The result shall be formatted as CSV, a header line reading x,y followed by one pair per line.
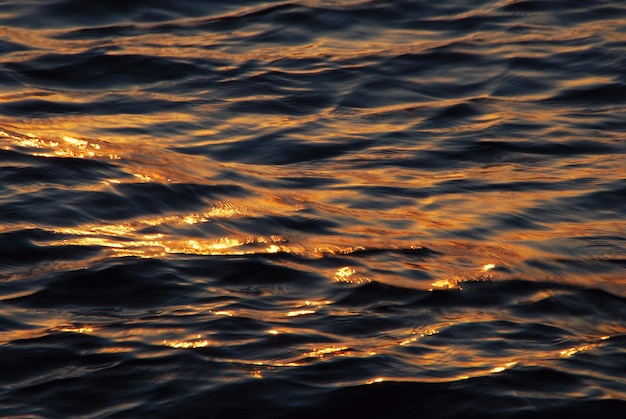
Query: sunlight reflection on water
x,y
305,208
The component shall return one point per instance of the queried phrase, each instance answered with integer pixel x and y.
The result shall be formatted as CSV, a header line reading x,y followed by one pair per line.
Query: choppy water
x,y
312,208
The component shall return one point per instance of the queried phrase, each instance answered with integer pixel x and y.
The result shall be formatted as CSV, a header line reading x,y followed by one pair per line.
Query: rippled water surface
x,y
312,209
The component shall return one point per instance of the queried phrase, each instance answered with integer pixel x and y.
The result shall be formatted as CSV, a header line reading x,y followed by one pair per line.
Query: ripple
x,y
295,209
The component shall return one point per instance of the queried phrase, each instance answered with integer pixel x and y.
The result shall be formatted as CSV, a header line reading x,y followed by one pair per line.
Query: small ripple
x,y
105,69
144,283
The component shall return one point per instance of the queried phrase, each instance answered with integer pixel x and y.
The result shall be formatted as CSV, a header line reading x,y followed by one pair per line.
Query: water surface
x,y
312,208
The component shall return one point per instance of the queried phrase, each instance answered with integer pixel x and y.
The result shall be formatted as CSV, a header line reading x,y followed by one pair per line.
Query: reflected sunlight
x,y
83,329
66,146
347,275
227,313
187,344
126,240
488,267
344,273
444,284
375,380
334,350
309,307
566,353
296,313
504,368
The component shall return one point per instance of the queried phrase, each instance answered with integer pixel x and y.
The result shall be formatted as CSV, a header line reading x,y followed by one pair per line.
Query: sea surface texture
x,y
312,209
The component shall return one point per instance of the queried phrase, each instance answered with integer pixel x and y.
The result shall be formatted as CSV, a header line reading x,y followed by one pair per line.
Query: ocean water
x,y
312,209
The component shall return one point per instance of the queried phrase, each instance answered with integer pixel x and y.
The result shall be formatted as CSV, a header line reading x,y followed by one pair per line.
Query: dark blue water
x,y
312,209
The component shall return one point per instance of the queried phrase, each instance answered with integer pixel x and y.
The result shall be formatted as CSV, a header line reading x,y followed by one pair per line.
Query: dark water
x,y
312,209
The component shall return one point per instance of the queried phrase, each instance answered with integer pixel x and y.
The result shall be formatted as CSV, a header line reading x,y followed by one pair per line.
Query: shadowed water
x,y
312,209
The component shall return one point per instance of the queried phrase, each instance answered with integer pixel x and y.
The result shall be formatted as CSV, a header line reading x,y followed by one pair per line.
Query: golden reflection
x,y
287,364
143,178
144,162
160,244
227,313
444,284
276,249
66,146
418,335
429,332
407,341
448,212
336,250
488,267
566,353
187,344
80,144
317,303
309,307
474,366
455,281
115,350
346,275
125,240
83,329
507,366
334,350
296,313
375,380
